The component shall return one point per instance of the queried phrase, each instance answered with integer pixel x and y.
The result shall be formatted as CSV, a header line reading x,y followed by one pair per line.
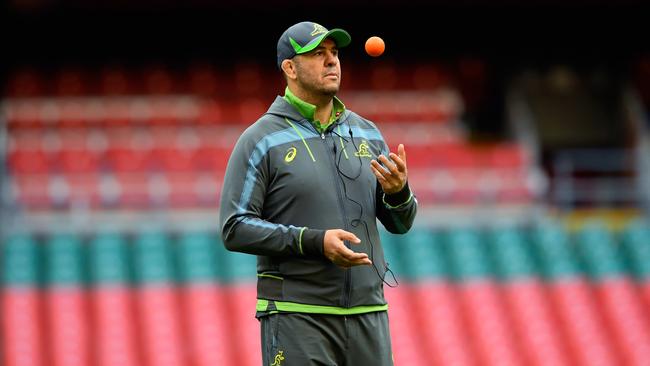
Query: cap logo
x,y
318,29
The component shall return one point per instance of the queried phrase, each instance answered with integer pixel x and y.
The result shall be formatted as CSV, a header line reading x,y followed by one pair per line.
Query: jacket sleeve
x,y
243,229
395,211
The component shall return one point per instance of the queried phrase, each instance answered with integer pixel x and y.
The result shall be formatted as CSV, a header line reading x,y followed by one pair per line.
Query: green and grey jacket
x,y
285,185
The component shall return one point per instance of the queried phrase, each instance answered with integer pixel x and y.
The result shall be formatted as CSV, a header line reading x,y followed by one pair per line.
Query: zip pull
x,y
322,135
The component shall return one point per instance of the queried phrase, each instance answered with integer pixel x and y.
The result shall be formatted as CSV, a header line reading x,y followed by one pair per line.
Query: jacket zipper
x,y
347,288
348,275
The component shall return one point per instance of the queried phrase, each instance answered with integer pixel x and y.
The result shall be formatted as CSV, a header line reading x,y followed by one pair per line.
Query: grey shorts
x,y
296,339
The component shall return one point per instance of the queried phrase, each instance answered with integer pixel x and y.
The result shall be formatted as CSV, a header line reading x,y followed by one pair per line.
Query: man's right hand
x,y
336,251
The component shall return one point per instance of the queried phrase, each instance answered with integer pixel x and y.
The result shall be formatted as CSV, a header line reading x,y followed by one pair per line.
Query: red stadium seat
x,y
582,321
404,339
489,324
26,83
113,327
21,327
115,81
125,159
83,189
127,190
211,158
182,189
174,159
161,338
32,191
441,328
245,329
627,318
208,326
75,161
507,156
33,161
71,82
158,80
203,80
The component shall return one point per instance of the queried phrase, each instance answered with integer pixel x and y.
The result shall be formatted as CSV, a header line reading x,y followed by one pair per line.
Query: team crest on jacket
x,y
277,361
363,152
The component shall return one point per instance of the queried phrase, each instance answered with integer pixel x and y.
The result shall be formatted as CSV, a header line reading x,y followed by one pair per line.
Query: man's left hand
x,y
393,177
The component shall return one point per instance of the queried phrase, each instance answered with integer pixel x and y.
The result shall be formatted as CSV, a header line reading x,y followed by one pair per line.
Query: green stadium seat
x,y
152,258
636,242
64,258
422,253
239,267
108,260
467,254
554,252
512,254
20,262
197,254
598,251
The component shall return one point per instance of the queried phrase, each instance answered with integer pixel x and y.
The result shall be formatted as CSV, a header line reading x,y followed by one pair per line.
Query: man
x,y
303,189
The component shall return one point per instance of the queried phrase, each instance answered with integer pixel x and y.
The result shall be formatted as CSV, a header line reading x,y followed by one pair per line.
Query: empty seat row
x,y
244,78
491,296
108,191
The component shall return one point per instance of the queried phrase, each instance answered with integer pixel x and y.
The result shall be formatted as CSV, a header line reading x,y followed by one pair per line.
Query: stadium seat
x,y
239,275
171,158
21,324
403,329
72,161
622,307
422,255
32,161
525,297
581,320
203,299
31,191
636,241
66,301
129,160
203,80
435,307
114,326
481,301
157,300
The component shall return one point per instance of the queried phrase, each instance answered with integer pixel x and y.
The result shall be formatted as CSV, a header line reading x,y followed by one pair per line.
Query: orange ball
x,y
375,46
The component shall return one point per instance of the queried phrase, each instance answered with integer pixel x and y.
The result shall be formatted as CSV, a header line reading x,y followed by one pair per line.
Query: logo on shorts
x,y
291,154
277,361
363,150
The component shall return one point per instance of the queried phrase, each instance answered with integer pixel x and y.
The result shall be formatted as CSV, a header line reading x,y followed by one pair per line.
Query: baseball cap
x,y
305,36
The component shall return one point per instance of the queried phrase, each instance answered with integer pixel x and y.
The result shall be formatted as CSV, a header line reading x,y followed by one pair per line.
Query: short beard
x,y
314,90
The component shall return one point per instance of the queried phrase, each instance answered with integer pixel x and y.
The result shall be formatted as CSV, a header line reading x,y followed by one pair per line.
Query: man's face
x,y
319,70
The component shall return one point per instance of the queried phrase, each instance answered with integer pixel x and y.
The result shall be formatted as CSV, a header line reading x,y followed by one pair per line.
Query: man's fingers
x,y
353,259
390,166
378,174
346,235
353,256
402,152
401,165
